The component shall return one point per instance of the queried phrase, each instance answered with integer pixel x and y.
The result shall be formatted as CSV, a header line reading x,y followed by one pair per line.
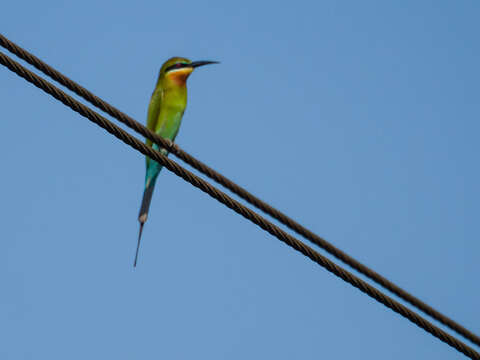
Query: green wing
x,y
154,111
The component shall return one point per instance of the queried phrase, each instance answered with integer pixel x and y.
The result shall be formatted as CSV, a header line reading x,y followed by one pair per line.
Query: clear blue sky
x,y
360,119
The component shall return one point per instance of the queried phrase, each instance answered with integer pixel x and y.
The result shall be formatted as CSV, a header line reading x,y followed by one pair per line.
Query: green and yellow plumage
x,y
165,112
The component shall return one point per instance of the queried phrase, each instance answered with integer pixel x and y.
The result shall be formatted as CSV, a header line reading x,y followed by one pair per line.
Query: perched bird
x,y
165,113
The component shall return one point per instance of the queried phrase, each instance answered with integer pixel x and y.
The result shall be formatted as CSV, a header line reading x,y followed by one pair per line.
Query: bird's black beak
x,y
195,64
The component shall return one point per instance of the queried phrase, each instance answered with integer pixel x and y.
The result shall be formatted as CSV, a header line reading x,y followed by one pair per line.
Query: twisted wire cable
x,y
238,190
237,207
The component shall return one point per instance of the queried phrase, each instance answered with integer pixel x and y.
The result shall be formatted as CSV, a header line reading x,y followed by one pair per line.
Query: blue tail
x,y
142,216
153,169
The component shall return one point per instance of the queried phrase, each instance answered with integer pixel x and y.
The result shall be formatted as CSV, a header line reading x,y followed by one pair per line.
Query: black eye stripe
x,y
176,66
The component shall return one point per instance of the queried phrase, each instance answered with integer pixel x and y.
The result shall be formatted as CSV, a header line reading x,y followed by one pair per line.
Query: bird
x,y
164,116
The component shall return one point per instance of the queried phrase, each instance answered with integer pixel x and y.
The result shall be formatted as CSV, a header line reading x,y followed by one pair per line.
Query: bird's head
x,y
176,70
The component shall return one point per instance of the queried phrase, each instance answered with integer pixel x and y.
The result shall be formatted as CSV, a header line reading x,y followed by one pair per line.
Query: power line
x,y
237,207
236,189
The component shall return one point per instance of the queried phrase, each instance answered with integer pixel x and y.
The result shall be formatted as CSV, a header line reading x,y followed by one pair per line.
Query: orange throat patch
x,y
179,77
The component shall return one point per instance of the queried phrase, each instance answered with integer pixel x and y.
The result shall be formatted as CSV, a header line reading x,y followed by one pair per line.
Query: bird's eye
x,y
178,65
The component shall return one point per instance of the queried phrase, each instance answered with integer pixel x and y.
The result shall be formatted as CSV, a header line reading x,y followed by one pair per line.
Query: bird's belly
x,y
170,124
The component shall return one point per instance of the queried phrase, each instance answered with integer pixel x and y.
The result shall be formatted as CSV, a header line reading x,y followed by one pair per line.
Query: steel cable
x,y
236,189
237,207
